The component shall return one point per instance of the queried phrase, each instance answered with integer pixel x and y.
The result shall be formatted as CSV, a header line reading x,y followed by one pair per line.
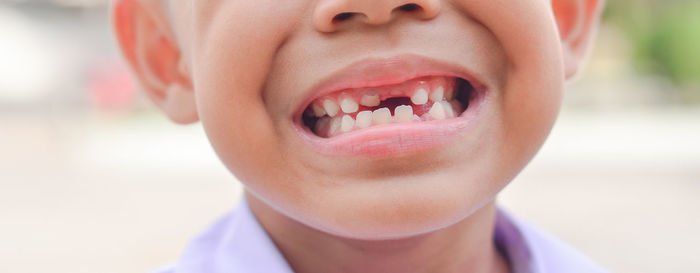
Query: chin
x,y
385,210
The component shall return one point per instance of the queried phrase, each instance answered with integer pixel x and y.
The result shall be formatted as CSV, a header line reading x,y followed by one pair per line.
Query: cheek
x,y
534,82
229,74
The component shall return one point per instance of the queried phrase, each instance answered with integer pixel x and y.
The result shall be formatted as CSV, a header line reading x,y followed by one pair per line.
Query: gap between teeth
x,y
335,116
348,105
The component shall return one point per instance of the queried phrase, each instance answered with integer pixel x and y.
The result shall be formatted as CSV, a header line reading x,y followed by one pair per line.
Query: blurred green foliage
x,y
665,36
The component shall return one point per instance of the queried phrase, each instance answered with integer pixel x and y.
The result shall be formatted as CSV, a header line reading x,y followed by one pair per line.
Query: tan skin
x,y
243,68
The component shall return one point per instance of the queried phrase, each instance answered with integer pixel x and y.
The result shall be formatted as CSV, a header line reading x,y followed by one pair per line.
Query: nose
x,y
330,14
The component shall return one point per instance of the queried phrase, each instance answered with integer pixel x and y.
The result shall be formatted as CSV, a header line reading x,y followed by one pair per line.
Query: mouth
x,y
385,107
425,99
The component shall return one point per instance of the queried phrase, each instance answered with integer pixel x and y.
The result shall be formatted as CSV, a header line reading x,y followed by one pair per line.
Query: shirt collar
x,y
238,243
235,243
511,242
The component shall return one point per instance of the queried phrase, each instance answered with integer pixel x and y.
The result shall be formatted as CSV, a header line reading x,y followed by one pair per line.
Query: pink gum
x,y
405,89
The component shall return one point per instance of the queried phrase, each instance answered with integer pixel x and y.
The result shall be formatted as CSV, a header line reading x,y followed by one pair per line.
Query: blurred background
x,y
94,179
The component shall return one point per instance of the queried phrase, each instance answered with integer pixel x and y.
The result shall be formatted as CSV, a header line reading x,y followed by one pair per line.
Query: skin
x,y
243,68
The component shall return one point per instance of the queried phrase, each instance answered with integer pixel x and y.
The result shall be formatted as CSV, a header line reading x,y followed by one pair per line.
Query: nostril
x,y
409,7
343,16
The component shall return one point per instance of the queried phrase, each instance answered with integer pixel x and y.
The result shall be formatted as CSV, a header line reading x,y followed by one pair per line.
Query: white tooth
x,y
449,112
349,105
437,111
438,94
318,110
347,124
370,100
331,107
420,97
403,114
381,116
335,126
364,119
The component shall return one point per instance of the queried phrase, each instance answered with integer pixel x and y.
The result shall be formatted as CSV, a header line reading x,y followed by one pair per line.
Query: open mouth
x,y
418,100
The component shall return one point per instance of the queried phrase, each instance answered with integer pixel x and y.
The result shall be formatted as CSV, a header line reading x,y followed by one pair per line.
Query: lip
x,y
392,139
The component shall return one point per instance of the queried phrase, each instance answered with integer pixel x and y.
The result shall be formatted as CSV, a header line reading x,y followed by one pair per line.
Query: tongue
x,y
392,103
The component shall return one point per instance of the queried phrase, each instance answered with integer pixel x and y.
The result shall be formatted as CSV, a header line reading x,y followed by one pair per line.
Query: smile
x,y
391,106
417,100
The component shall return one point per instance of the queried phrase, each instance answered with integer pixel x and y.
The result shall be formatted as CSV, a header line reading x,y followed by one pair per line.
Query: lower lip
x,y
395,139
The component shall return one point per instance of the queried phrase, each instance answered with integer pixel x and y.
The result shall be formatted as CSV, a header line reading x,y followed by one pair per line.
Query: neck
x,y
463,247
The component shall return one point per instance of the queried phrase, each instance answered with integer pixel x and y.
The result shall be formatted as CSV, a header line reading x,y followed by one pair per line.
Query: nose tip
x,y
330,14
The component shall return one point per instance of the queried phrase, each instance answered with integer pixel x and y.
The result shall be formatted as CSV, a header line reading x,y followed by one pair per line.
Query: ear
x,y
578,23
149,45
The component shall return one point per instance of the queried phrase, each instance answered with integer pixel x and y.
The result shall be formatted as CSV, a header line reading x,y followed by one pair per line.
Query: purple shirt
x,y
237,243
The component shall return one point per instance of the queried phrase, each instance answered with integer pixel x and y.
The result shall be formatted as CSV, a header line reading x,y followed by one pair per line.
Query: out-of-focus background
x,y
94,179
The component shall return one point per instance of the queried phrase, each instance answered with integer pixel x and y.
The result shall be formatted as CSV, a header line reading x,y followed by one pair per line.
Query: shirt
x,y
237,243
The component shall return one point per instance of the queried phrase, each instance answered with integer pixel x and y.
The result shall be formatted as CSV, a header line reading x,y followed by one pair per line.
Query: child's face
x,y
257,67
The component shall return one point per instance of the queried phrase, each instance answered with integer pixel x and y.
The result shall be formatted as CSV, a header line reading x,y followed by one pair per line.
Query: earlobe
x,y
180,105
578,23
148,44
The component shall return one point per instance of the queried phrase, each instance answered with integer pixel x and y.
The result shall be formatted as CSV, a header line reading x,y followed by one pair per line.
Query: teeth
x,y
449,112
335,125
347,124
349,105
322,124
337,114
318,110
438,94
420,97
330,107
437,111
381,116
364,119
403,114
370,100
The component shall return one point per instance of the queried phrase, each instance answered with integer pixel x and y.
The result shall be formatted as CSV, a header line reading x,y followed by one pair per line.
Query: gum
x,y
405,89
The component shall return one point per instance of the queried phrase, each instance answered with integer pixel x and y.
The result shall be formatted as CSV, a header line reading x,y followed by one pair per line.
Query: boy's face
x,y
268,75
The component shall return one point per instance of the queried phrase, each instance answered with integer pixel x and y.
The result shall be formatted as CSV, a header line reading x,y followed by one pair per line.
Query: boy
x,y
370,135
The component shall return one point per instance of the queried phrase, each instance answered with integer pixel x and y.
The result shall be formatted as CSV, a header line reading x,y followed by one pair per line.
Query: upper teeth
x,y
420,97
349,105
318,110
349,110
370,100
330,107
438,94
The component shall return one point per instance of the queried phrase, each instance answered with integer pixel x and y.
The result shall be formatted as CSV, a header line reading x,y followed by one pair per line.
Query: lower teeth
x,y
454,105
328,127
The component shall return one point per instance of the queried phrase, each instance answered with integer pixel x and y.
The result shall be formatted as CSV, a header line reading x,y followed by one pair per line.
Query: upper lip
x,y
374,72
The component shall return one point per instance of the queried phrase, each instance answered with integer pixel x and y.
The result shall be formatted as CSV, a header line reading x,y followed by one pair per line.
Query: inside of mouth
x,y
420,100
